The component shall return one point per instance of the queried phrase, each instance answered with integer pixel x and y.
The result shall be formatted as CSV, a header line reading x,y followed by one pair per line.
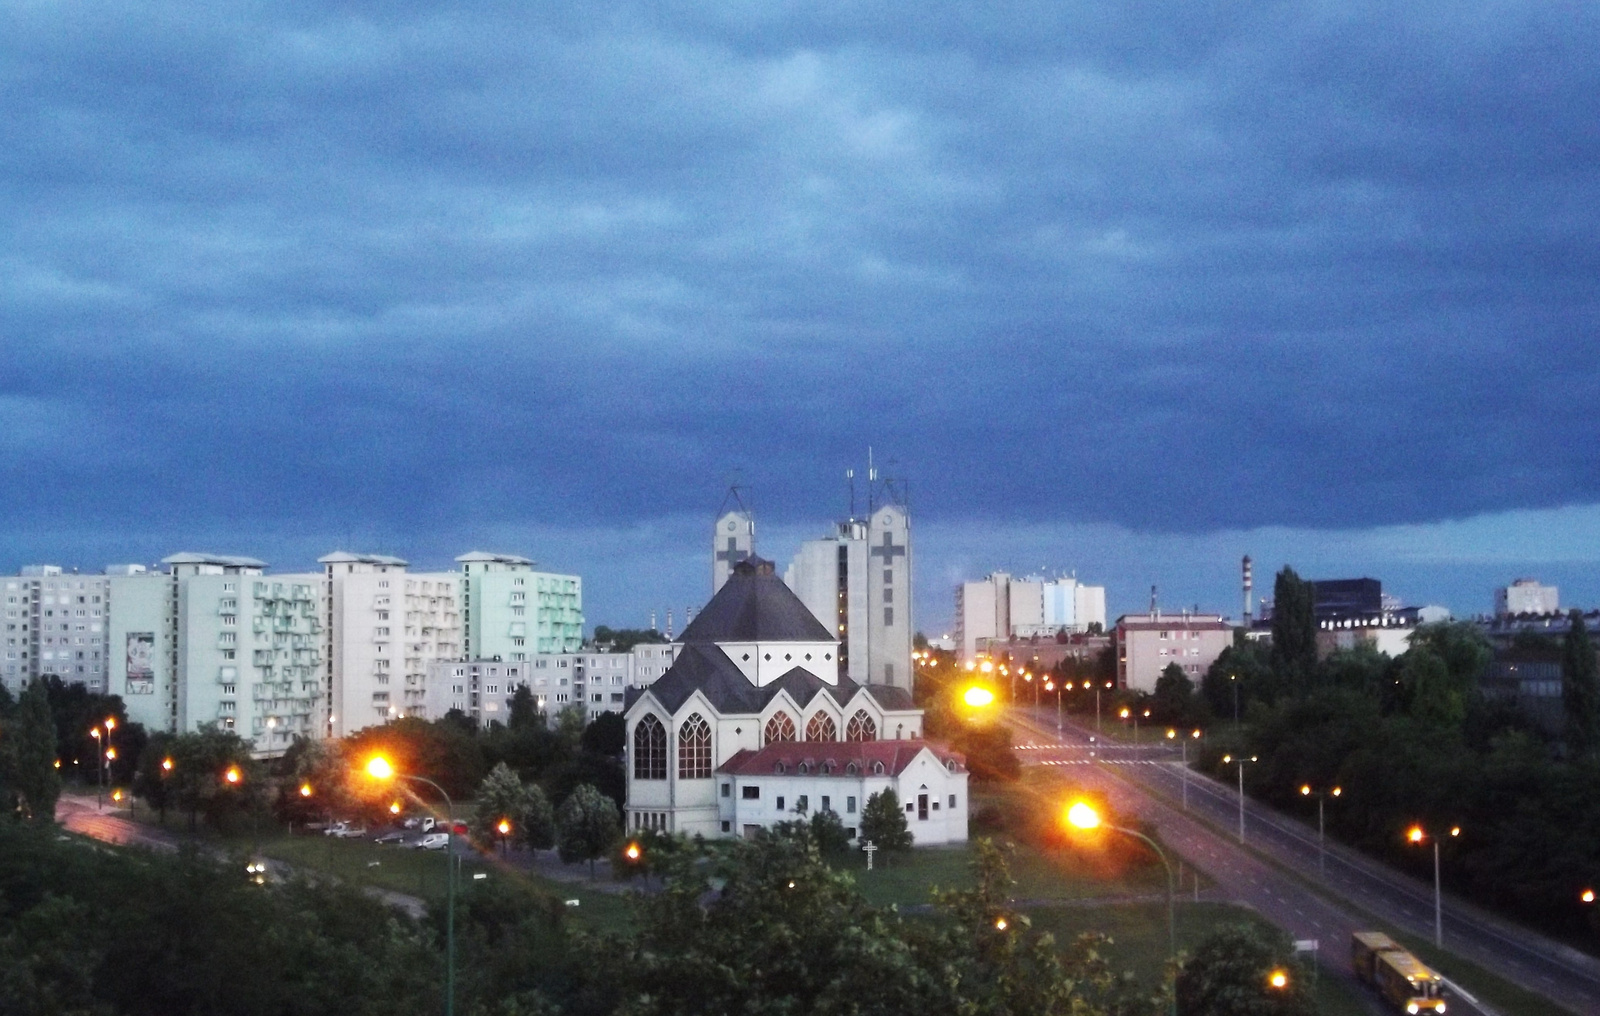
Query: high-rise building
x,y
383,627
857,582
1526,596
510,610
142,643
1003,607
55,624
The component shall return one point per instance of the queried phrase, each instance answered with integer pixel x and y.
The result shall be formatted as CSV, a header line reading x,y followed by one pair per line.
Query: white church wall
x,y
934,799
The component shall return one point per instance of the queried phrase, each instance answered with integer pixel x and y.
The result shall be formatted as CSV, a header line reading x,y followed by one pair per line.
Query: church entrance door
x,y
922,807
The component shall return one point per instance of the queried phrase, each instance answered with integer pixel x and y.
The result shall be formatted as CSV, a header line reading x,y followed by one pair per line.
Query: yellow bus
x,y
1402,979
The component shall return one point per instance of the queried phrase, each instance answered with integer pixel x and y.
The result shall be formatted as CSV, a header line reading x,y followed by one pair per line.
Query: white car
x,y
344,831
433,841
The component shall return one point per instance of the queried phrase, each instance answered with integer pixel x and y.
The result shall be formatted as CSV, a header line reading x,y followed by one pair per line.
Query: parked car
x,y
398,836
432,841
422,823
344,831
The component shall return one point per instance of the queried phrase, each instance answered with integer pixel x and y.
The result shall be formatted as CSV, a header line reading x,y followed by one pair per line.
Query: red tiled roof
x,y
895,756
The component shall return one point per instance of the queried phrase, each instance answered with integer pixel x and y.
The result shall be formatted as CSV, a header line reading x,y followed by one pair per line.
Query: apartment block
x,y
598,682
511,611
1148,643
55,624
383,627
1002,607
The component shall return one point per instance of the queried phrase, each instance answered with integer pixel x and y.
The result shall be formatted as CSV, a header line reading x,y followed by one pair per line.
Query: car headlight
x,y
1413,1009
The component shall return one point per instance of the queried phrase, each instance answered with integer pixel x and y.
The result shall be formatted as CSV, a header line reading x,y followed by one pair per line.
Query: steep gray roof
x,y
754,605
708,670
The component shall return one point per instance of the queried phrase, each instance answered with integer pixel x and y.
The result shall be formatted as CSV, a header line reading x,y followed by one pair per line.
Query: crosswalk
x,y
1101,761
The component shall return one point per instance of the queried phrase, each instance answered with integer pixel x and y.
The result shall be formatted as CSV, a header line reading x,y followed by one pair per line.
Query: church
x,y
754,724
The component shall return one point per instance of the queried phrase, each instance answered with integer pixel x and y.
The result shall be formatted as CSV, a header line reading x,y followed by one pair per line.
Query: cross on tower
x,y
889,551
733,555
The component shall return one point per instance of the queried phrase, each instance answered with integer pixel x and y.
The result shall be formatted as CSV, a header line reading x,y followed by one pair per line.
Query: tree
x,y
620,640
884,822
829,833
199,781
525,712
586,826
30,754
1432,696
1230,975
503,795
1174,700
1580,690
605,735
1294,630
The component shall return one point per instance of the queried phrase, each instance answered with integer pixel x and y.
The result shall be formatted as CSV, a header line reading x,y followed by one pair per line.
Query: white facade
x,y
55,623
732,540
857,582
788,782
384,627
1526,596
511,611
142,641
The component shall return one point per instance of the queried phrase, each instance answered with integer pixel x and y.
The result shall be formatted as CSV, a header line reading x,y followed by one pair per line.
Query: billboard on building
x,y
141,669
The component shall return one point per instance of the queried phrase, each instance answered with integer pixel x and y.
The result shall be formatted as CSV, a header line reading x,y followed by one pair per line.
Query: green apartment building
x,y
513,612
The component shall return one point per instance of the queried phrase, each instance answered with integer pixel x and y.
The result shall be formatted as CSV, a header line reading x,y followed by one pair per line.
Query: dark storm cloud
x,y
1180,267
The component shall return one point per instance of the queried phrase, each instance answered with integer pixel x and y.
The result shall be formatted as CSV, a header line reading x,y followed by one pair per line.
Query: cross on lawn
x,y
869,848
888,551
733,555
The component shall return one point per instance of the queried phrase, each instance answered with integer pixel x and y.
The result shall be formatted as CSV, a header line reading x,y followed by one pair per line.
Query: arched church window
x,y
649,749
861,727
694,749
821,728
779,728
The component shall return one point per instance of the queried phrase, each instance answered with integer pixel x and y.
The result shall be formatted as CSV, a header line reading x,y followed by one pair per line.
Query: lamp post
x,y
1240,762
379,768
1416,834
1322,845
1233,679
1097,705
1051,686
1082,815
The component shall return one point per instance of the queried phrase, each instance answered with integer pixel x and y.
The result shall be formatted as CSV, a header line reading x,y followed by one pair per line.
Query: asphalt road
x,y
1145,779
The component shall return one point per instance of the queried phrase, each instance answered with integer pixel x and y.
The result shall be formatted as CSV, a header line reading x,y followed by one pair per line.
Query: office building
x,y
1526,596
1001,607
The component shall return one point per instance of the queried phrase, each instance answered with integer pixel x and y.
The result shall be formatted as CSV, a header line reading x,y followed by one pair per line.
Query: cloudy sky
x,y
1132,291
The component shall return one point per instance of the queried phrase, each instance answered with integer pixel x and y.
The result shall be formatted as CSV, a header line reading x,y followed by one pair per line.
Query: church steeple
x,y
733,539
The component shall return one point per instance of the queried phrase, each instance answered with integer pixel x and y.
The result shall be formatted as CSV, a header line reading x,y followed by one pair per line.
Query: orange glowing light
x,y
166,765
1278,979
305,790
379,768
1415,834
1083,816
633,852
1587,896
232,775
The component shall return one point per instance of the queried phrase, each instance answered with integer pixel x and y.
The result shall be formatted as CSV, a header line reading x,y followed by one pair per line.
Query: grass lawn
x,y
1138,935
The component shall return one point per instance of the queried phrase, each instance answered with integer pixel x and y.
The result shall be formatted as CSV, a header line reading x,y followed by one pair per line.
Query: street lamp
x,y
100,766
1097,705
1082,815
1233,679
503,827
1240,762
1051,686
1416,835
978,697
1322,846
379,768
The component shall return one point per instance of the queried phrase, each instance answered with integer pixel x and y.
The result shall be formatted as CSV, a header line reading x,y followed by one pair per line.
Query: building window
x,y
694,749
801,805
779,728
649,749
888,617
861,727
779,803
727,790
850,806
821,728
750,793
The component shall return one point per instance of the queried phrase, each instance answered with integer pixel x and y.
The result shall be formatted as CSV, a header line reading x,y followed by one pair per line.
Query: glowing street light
x,y
1083,815
1416,835
1240,761
1587,896
1278,979
379,768
166,765
305,790
232,775
1322,846
978,697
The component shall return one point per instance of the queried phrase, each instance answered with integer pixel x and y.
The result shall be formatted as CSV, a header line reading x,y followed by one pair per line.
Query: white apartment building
x,y
55,623
142,642
483,689
384,626
511,611
1003,607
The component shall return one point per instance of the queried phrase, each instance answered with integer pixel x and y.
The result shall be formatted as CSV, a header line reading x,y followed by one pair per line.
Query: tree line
x,y
1414,740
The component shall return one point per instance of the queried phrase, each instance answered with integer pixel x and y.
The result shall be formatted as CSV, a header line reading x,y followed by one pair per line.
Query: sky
x,y
1128,290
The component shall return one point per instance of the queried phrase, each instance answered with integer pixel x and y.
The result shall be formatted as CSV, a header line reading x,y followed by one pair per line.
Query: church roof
x,y
895,756
708,670
754,605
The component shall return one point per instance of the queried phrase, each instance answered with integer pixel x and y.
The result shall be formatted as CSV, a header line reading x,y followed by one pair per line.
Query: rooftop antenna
x,y
669,624
652,620
872,479
850,478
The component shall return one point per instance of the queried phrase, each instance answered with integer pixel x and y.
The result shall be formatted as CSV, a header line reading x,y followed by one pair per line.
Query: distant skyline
x,y
1127,290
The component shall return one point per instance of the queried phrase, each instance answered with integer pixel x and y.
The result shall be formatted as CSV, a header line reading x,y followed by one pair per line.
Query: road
x,y
1150,780
80,815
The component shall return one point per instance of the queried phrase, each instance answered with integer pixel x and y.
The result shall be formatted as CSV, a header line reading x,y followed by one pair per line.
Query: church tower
x,y
732,540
